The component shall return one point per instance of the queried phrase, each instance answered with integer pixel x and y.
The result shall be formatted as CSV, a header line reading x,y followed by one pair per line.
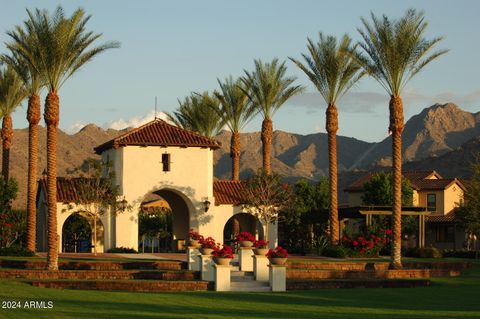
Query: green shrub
x,y
334,252
121,250
463,253
426,252
16,250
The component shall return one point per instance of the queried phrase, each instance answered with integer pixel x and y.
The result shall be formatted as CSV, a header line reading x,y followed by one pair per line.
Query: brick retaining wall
x,y
127,285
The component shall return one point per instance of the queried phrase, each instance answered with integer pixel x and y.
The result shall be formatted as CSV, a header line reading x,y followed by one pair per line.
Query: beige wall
x,y
139,172
440,201
453,197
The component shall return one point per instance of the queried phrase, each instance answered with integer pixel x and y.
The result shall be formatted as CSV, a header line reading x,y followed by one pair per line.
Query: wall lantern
x,y
206,205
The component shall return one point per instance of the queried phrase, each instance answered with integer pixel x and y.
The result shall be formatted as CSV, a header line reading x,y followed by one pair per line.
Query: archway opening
x,y
242,222
78,234
163,222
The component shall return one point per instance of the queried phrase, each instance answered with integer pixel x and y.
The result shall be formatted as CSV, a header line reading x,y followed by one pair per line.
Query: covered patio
x,y
367,212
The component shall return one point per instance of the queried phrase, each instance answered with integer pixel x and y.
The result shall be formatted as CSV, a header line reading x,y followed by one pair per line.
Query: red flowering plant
x,y
193,235
260,243
245,236
225,252
366,245
208,242
278,252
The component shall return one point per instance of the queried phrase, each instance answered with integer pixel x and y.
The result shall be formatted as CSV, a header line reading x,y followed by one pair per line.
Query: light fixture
x,y
206,205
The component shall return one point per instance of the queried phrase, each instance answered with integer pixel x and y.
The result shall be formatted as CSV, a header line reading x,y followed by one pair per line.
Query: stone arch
x,y
183,214
87,246
241,222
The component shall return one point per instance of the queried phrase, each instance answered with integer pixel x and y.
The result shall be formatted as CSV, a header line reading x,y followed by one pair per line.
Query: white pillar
x,y
278,277
208,272
222,277
260,268
245,259
193,259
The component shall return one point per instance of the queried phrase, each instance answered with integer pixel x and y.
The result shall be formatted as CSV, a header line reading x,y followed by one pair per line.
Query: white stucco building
x,y
176,165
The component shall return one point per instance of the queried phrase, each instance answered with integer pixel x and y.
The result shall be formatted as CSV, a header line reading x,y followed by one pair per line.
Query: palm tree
x,y
197,113
12,93
394,52
30,74
236,111
269,89
64,46
333,71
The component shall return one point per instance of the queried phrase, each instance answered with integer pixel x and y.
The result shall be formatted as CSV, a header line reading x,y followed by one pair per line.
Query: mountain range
x,y
442,137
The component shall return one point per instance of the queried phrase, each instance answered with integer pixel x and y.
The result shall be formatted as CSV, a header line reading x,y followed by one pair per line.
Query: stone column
x,y
222,277
260,268
245,259
278,277
193,259
208,272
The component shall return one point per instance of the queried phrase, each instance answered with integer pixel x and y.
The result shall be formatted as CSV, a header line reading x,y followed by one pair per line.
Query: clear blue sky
x,y
170,48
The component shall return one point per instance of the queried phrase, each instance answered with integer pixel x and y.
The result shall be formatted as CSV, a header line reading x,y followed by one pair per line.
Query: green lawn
x,y
447,298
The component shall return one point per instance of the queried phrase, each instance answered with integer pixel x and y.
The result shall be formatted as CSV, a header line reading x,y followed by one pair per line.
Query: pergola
x,y
367,212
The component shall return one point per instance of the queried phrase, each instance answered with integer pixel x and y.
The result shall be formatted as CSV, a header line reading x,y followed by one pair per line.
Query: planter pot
x,y
277,261
206,251
193,243
245,243
260,251
222,261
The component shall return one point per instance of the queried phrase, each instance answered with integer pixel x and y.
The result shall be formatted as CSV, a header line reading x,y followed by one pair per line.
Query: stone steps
x,y
250,286
125,285
101,274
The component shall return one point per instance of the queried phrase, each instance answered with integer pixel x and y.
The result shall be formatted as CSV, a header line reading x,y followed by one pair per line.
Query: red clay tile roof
x,y
159,133
229,192
418,180
66,188
438,184
449,218
225,192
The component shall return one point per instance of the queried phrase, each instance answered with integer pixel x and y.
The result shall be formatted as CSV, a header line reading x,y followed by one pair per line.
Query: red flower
x,y
245,236
225,252
7,225
388,232
285,186
355,243
362,251
193,235
208,242
278,252
260,243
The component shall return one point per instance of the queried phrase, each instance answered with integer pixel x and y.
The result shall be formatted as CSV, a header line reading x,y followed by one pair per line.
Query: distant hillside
x,y
456,163
436,131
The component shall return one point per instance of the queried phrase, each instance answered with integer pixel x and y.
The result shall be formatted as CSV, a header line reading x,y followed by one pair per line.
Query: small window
x,y
445,234
166,162
432,202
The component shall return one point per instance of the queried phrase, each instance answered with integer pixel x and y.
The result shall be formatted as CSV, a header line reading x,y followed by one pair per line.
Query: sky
x,y
171,48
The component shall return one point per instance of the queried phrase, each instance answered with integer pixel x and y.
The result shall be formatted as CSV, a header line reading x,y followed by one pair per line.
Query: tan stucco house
x,y
176,165
437,195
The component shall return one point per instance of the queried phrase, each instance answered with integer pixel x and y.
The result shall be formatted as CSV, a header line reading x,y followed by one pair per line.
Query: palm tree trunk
x,y
52,104
332,128
396,128
7,134
33,117
235,155
267,135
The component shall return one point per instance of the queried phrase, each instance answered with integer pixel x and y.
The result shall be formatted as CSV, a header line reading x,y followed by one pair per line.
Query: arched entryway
x,y
239,223
164,222
78,234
